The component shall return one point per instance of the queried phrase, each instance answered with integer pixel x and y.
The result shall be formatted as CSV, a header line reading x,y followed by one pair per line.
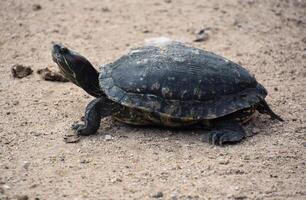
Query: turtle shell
x,y
179,81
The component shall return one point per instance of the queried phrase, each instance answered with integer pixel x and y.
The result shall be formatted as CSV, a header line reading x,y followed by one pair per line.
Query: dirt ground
x,y
267,37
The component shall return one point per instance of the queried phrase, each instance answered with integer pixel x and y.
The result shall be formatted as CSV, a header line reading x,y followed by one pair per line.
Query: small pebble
x,y
304,55
108,137
174,197
49,75
146,31
255,130
22,197
26,165
158,195
246,157
36,7
223,162
35,133
15,103
201,35
20,71
238,197
105,9
84,161
6,187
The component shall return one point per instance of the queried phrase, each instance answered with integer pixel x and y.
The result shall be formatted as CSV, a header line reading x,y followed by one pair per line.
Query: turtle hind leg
x,y
226,131
264,108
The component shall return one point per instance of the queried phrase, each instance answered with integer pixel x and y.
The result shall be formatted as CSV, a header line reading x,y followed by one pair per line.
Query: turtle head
x,y
76,69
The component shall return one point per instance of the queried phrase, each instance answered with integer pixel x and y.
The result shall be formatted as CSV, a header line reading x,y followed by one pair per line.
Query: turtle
x,y
170,84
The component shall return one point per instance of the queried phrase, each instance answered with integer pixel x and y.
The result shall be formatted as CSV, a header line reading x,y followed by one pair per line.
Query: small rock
x,y
20,71
246,157
108,137
201,35
15,103
304,144
105,9
273,176
223,162
239,54
22,197
49,75
26,165
168,1
114,180
158,195
84,161
6,187
36,7
174,197
35,133
146,31
34,186
304,55
255,130
239,197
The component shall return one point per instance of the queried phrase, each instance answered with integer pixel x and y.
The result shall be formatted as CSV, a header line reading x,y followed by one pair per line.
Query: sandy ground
x,y
267,37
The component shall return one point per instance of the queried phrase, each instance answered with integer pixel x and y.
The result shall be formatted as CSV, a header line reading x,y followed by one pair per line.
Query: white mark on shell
x,y
184,93
171,78
178,59
134,51
225,60
155,86
166,92
195,51
144,61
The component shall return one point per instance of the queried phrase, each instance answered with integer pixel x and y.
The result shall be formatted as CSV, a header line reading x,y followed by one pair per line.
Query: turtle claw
x,y
81,129
76,126
72,138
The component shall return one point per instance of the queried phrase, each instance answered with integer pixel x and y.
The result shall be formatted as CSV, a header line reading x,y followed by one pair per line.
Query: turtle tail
x,y
264,108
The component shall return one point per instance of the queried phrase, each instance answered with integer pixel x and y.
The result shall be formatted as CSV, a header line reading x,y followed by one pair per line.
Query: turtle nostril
x,y
64,50
56,47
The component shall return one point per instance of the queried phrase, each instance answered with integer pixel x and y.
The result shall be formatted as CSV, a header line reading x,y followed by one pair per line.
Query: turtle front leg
x,y
91,120
226,131
95,110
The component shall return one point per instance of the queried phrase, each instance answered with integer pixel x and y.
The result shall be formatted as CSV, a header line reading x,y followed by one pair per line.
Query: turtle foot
x,y
226,131
221,137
